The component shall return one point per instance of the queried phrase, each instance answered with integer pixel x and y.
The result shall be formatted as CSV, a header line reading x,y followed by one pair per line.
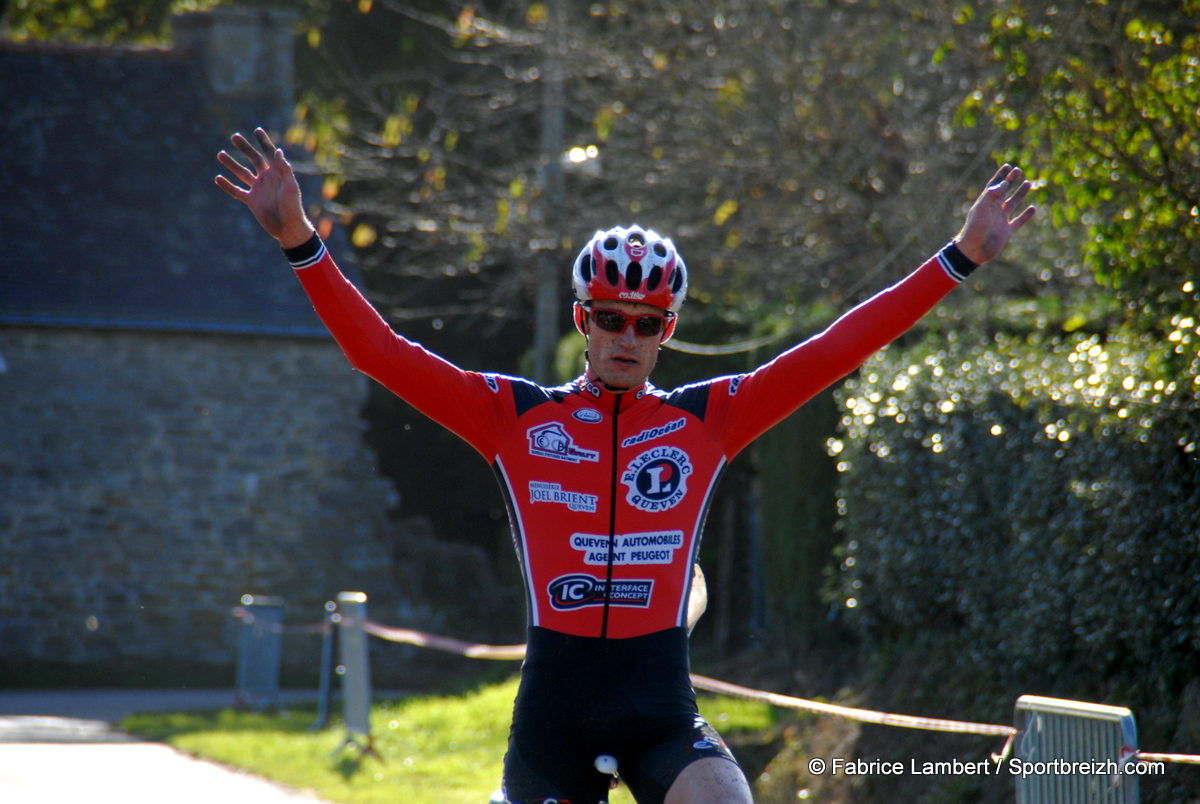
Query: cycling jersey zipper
x,y
612,518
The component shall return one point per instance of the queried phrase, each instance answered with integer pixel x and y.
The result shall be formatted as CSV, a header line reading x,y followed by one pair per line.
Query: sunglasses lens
x,y
649,325
609,320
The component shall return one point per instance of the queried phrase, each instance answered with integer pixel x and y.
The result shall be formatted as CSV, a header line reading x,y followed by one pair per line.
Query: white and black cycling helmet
x,y
635,265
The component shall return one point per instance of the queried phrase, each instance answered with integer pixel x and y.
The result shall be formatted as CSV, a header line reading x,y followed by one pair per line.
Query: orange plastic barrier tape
x,y
511,652
862,715
421,639
1187,759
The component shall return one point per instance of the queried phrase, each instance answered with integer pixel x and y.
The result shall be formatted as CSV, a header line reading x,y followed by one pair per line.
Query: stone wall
x,y
148,481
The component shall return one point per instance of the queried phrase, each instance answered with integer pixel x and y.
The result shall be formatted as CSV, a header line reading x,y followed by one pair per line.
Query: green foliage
x,y
1105,98
1027,508
99,21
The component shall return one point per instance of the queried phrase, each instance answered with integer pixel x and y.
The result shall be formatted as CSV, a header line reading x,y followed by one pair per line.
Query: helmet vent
x,y
612,273
636,237
585,267
677,280
611,243
633,275
655,277
660,250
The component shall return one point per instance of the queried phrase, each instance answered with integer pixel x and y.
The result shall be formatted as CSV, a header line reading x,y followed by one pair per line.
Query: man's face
x,y
622,360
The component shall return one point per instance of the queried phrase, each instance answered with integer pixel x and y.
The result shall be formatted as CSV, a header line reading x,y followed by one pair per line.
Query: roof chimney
x,y
247,57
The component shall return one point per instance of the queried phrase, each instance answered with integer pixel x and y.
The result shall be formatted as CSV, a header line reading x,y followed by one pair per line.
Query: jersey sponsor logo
x,y
553,441
540,491
734,383
588,415
569,592
654,432
492,382
657,479
591,388
655,547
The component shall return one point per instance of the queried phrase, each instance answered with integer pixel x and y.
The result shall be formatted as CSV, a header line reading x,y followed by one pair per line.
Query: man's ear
x,y
581,319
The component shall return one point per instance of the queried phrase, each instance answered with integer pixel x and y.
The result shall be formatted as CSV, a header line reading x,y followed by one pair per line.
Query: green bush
x,y
1102,98
1026,509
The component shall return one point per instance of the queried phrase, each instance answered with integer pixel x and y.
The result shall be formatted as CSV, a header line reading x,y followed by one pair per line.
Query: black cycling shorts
x,y
584,696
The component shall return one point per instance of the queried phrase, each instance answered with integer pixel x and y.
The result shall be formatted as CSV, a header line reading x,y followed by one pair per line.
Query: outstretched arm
x,y
273,193
991,220
464,402
756,401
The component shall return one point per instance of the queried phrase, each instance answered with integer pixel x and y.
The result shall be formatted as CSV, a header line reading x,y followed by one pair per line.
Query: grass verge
x,y
431,749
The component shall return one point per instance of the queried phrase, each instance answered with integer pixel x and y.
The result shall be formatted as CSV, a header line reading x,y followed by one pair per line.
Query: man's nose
x,y
628,335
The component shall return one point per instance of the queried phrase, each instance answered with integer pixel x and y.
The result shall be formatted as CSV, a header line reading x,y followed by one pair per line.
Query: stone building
x,y
176,427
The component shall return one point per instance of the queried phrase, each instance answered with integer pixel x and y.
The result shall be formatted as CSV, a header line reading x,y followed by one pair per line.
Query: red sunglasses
x,y
646,326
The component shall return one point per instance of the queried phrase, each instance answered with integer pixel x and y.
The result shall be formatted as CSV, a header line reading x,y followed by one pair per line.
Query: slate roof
x,y
109,215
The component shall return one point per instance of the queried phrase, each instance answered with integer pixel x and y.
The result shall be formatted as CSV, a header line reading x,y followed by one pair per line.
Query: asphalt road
x,y
62,747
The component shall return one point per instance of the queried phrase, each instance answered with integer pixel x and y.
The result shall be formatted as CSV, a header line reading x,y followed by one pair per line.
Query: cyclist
x,y
608,479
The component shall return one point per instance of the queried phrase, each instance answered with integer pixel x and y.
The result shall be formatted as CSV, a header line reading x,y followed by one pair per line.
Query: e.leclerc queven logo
x,y
657,479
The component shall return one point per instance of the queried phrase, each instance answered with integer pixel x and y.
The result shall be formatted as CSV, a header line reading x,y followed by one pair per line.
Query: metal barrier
x,y
1070,752
355,665
259,651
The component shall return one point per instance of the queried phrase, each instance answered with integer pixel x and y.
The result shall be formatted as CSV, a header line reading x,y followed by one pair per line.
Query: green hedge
x,y
1026,509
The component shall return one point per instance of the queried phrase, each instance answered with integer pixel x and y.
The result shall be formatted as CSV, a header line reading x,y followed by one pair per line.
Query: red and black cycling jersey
x,y
607,493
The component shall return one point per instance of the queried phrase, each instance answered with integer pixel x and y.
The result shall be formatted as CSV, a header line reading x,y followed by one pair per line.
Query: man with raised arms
x,y
608,479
